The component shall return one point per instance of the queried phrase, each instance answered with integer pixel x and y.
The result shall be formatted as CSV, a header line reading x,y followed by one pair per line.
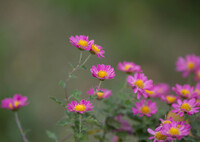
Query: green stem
x,y
80,123
20,127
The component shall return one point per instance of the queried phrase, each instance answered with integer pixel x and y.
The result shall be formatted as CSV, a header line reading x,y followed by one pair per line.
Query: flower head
x,y
187,64
197,90
185,91
169,99
97,50
139,84
158,90
125,126
158,136
101,93
145,108
103,72
81,42
197,74
81,107
187,106
14,103
129,67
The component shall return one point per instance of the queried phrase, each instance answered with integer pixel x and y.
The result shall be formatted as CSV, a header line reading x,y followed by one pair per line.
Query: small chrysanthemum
x,y
101,93
145,108
175,130
129,67
158,90
139,84
103,72
125,126
185,91
81,107
186,106
197,74
81,42
158,136
97,50
187,64
14,103
169,99
163,122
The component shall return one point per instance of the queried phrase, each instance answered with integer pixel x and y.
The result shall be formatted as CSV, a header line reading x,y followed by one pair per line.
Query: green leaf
x,y
64,122
76,95
92,97
92,121
72,76
51,135
84,67
57,101
62,83
72,65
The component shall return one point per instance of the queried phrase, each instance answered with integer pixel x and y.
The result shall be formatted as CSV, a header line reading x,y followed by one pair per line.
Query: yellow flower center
x,y
10,105
17,103
198,74
80,107
127,67
149,92
190,65
139,84
174,131
145,109
95,48
100,94
186,107
83,43
184,92
160,136
170,99
178,126
102,74
166,122
197,91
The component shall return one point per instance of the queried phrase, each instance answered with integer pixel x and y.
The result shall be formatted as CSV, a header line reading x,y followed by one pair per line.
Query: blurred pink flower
x,y
101,93
197,74
129,67
125,126
81,107
158,136
14,103
185,91
169,99
97,50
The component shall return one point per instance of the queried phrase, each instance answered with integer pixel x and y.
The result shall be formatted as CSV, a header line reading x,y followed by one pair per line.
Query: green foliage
x,y
58,101
84,67
62,83
51,135
76,95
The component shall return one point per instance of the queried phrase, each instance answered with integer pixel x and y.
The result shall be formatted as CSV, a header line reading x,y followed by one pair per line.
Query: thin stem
x,y
88,57
20,127
80,120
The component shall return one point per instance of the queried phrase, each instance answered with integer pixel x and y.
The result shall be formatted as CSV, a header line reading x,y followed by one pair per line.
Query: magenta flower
x,y
103,72
197,74
81,42
145,108
197,90
129,67
14,103
158,90
169,99
175,130
187,64
101,93
125,126
185,91
81,107
139,84
97,50
187,106
115,139
158,136
163,122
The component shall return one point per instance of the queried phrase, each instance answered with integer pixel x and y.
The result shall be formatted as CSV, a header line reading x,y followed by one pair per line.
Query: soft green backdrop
x,y
35,50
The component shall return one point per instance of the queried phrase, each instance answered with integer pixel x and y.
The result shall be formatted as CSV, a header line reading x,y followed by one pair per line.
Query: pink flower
x,y
197,74
139,84
158,90
97,50
103,72
129,67
82,42
81,107
176,130
125,126
187,106
169,98
187,64
185,91
158,136
163,122
197,90
14,103
101,93
145,108
115,139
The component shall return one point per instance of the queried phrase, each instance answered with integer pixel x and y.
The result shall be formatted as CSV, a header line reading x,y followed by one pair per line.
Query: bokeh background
x,y
35,51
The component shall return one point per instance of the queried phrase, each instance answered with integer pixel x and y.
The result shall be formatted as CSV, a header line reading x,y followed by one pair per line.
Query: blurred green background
x,y
35,50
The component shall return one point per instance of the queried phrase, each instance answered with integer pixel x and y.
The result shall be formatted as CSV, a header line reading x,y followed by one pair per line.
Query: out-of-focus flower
x,y
97,50
187,64
197,74
158,136
188,106
81,42
103,72
139,84
185,91
158,90
197,90
175,130
163,122
101,93
115,139
129,67
81,107
169,98
125,126
14,103
145,108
